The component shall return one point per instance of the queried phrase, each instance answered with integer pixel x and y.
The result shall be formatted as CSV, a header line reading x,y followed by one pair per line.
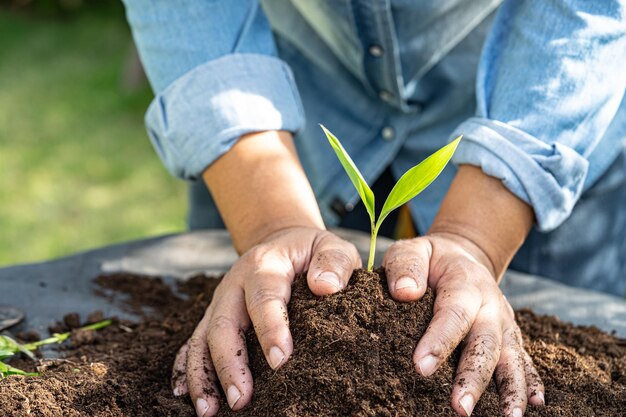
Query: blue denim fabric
x,y
589,248
537,88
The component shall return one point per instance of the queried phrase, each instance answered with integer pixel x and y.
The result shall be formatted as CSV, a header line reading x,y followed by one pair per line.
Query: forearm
x,y
481,210
260,187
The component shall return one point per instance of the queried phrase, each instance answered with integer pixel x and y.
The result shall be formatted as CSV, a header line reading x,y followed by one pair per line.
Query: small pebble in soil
x,y
95,317
72,320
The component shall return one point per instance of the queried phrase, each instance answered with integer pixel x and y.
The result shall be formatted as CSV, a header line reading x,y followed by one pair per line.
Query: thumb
x,y
406,266
332,262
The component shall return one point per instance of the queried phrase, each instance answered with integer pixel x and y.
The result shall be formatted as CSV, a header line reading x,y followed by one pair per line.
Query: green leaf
x,y
8,344
6,370
416,179
366,194
5,354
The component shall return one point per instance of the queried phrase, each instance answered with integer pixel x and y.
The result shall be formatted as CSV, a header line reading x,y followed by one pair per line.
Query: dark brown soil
x,y
352,357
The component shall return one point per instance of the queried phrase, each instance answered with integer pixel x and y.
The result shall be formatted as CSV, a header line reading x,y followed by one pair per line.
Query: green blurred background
x,y
77,170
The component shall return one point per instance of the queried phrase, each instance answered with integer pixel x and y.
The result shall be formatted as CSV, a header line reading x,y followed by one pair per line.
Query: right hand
x,y
256,291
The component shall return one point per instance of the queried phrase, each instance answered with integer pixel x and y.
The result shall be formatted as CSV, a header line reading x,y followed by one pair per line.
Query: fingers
x,y
536,390
406,267
200,374
332,262
456,307
478,360
467,297
256,291
267,295
227,345
511,375
179,372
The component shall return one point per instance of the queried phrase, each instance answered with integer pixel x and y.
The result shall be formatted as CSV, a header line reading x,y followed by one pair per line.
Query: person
x,y
535,87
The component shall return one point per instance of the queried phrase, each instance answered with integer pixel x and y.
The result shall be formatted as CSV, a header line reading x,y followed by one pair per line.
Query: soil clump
x,y
352,357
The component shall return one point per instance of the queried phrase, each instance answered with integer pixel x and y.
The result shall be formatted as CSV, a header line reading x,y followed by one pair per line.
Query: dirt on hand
x,y
352,357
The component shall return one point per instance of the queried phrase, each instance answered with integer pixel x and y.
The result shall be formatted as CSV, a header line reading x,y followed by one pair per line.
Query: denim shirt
x,y
536,87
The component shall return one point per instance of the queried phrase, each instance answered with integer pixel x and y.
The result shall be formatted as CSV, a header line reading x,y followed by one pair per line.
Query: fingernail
x,y
428,365
177,391
331,279
232,395
201,406
405,282
276,357
517,412
539,395
467,403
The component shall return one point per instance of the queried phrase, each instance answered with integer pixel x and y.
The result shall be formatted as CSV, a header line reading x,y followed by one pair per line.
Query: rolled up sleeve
x,y
216,76
550,81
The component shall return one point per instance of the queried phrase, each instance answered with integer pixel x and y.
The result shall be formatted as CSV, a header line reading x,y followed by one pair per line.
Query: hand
x,y
469,309
256,291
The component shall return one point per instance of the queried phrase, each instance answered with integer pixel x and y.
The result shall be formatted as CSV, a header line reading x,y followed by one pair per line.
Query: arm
x,y
225,110
550,81
477,231
271,213
489,218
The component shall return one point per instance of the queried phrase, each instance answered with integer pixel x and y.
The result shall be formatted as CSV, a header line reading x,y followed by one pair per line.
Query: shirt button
x,y
388,133
385,95
376,51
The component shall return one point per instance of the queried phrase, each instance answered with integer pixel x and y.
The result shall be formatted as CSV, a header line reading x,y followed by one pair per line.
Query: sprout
x,y
413,182
9,347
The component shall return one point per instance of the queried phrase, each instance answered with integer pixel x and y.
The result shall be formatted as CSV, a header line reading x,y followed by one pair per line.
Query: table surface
x,y
48,290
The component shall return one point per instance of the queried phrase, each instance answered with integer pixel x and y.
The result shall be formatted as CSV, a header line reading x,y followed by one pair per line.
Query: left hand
x,y
255,293
469,309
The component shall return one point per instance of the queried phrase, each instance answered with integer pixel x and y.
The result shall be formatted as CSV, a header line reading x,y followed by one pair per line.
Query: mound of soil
x,y
352,357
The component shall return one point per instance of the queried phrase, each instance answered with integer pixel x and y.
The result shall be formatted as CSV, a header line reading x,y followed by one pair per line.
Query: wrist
x,y
483,215
264,234
463,239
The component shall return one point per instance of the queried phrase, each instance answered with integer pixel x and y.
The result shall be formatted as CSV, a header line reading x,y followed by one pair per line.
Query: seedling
x,y
9,348
413,182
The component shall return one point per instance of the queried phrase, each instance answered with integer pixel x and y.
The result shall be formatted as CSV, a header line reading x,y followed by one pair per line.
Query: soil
x,y
352,357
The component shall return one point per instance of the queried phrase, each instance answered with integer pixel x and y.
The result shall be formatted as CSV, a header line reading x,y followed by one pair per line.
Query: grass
x,y
77,170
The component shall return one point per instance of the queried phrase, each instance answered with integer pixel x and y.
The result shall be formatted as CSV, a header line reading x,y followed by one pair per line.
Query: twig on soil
x,y
26,400
335,341
125,328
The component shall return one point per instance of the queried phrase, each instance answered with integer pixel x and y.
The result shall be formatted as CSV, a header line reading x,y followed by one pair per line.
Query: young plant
x,y
9,348
413,182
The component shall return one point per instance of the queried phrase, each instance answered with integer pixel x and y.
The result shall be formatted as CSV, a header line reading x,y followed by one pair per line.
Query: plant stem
x,y
61,337
370,260
6,370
